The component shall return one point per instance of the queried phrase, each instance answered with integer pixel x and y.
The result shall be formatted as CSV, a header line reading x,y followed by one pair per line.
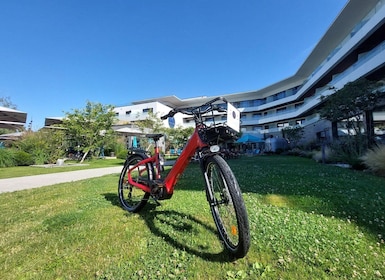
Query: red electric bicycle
x,y
141,177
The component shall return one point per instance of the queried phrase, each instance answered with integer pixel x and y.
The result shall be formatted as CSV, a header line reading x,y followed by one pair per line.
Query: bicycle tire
x,y
132,198
227,206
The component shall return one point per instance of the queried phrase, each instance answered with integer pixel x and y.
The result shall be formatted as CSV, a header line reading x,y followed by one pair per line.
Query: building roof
x,y
53,120
353,12
11,118
12,136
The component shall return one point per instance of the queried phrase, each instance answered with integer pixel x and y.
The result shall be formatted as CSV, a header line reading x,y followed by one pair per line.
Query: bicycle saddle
x,y
156,136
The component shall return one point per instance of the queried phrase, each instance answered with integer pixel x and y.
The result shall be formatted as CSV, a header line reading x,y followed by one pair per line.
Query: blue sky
x,y
55,55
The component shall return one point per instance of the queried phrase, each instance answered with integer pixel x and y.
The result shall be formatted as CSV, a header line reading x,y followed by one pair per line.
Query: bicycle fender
x,y
142,155
204,158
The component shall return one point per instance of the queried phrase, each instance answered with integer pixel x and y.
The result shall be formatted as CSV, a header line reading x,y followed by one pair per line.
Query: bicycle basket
x,y
218,134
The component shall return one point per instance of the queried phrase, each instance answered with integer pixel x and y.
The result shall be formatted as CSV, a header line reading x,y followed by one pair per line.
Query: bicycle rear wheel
x,y
132,198
227,206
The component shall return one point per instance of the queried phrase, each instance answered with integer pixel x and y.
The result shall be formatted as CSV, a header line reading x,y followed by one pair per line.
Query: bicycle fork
x,y
211,199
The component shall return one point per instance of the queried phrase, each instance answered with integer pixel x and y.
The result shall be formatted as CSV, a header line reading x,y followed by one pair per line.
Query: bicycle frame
x,y
193,144
141,172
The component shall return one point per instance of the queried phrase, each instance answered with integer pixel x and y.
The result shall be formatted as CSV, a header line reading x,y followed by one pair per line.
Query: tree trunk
x,y
369,127
334,130
84,156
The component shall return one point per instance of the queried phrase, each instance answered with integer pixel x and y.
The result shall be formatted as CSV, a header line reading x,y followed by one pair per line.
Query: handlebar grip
x,y
170,114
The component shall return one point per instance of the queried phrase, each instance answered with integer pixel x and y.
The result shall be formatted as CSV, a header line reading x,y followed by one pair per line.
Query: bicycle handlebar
x,y
196,110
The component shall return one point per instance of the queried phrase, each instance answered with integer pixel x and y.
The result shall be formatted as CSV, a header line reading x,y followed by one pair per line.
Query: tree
x,y
293,134
175,137
151,122
6,102
354,100
91,127
178,136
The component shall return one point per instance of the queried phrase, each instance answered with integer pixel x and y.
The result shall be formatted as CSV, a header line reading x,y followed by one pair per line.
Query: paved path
x,y
29,182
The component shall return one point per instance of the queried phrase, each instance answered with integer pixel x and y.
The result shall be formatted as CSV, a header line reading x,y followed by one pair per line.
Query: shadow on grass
x,y
185,232
182,231
113,198
301,184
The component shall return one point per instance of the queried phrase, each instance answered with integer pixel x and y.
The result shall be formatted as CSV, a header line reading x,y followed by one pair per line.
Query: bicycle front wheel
x,y
227,206
132,198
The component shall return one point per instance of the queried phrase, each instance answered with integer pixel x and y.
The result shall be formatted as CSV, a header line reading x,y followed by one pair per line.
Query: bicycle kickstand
x,y
156,200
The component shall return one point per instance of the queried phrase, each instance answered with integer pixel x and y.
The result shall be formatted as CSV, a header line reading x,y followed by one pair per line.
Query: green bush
x,y
120,149
7,158
122,154
374,159
319,156
45,146
23,158
349,150
40,156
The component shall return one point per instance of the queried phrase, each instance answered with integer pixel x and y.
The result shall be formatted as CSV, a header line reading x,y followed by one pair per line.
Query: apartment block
x,y
353,47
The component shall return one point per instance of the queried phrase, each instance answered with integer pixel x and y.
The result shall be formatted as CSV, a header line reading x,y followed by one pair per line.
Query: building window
x,y
244,104
147,110
282,125
258,102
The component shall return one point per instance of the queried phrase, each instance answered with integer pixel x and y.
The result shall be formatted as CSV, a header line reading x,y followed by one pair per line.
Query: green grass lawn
x,y
307,221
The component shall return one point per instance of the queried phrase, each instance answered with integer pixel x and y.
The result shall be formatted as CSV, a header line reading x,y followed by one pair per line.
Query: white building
x,y
353,47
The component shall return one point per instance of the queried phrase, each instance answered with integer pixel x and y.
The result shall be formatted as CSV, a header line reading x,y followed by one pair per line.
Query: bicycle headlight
x,y
214,148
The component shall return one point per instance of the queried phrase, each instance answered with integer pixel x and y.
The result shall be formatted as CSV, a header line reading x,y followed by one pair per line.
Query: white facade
x,y
353,47
132,113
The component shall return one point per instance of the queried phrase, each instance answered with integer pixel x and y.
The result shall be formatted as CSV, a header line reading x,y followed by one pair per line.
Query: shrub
x,y
318,157
45,146
23,159
374,159
7,158
122,154
40,156
349,150
120,149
